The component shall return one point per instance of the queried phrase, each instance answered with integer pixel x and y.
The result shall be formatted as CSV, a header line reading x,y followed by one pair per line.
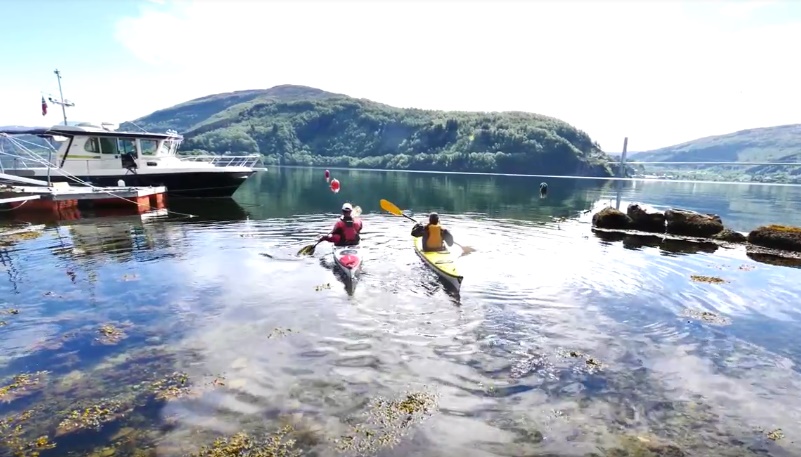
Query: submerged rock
x,y
610,218
646,218
690,223
781,237
730,236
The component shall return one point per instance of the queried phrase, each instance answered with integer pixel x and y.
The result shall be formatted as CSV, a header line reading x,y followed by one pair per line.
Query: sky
x,y
657,72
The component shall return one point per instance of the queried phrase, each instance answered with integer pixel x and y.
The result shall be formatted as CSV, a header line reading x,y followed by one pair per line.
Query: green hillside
x,y
297,125
771,144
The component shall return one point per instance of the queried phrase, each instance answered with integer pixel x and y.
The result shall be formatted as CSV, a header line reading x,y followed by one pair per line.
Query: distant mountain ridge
x,y
779,144
185,116
751,145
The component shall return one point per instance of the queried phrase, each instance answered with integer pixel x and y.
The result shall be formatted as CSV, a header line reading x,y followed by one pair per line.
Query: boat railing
x,y
250,161
14,162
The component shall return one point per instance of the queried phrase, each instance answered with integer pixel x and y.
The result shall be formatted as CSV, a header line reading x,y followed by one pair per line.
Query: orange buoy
x,y
335,185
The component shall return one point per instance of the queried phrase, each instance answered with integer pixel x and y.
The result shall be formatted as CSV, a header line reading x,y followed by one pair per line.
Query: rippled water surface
x,y
158,335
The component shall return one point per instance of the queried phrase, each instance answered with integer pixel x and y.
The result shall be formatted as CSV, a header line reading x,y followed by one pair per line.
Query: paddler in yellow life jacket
x,y
434,235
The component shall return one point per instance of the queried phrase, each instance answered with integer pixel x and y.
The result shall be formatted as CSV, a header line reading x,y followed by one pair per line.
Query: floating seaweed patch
x,y
644,446
218,381
130,277
10,311
708,279
706,316
775,435
13,436
591,365
746,267
21,385
243,445
322,287
92,417
278,332
386,422
171,387
109,334
11,238
533,363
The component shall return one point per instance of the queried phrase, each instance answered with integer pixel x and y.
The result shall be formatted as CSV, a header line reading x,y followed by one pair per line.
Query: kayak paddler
x,y
346,230
434,235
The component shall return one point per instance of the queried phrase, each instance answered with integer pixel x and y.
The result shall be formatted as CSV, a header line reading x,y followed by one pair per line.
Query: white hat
x,y
347,207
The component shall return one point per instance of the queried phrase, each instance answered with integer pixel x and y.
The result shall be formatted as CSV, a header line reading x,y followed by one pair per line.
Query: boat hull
x,y
199,183
441,263
348,260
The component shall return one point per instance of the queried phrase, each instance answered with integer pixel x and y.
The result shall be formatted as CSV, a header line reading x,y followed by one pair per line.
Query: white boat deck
x,y
86,193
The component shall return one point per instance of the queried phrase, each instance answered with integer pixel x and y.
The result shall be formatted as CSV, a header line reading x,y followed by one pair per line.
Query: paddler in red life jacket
x,y
434,235
346,230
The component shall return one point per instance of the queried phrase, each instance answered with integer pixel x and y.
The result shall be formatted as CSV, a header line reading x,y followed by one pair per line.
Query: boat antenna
x,y
64,103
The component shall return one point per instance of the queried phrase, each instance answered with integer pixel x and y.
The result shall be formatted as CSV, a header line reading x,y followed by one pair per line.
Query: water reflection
x,y
566,342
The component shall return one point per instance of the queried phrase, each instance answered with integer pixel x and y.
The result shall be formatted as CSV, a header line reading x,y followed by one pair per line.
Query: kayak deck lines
x,y
440,262
348,260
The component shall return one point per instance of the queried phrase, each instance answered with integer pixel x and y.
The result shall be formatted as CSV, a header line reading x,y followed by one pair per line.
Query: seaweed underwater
x,y
120,379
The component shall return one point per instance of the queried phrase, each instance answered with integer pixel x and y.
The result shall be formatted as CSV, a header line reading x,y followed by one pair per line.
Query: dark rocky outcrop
x,y
645,218
681,226
690,223
729,236
680,231
777,237
610,218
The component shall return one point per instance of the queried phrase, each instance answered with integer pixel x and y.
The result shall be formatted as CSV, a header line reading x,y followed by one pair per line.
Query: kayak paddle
x,y
391,208
309,248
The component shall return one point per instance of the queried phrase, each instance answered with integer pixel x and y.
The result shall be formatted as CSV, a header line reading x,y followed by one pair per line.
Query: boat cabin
x,y
86,146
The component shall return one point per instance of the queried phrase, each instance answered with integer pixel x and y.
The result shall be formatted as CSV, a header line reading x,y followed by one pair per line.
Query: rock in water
x,y
781,237
646,218
690,223
730,236
610,218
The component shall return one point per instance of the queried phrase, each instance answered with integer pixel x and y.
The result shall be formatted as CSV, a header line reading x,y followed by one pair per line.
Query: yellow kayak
x,y
441,262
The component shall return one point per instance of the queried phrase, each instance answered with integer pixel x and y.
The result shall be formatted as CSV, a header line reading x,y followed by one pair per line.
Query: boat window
x,y
91,145
126,146
148,147
108,145
165,149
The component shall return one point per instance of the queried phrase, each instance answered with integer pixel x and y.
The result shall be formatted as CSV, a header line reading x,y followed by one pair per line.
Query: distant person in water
x,y
346,230
434,235
543,189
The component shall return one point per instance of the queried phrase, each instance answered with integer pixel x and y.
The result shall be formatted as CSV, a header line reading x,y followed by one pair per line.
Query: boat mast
x,y
64,103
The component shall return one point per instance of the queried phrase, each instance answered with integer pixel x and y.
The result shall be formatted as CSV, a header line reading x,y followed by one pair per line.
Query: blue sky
x,y
657,72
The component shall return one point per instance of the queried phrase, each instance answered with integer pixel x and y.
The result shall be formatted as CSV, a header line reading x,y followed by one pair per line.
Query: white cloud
x,y
658,72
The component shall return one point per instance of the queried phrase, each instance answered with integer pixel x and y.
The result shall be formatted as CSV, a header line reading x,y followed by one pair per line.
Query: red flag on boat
x,y
44,106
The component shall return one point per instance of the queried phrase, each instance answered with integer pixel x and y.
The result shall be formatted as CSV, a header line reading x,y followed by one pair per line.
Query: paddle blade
x,y
467,250
390,207
357,211
307,250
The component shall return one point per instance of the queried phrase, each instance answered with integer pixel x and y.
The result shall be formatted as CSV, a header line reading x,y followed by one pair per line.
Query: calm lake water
x,y
130,336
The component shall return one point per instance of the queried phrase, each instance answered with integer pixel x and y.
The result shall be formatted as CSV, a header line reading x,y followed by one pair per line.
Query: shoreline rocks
x,y
780,237
686,223
690,223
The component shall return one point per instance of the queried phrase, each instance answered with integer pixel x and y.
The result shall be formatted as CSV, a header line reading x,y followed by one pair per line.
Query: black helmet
x,y
433,218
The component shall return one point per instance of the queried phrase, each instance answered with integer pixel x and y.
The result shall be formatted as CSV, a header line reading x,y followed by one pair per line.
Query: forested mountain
x,y
297,125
